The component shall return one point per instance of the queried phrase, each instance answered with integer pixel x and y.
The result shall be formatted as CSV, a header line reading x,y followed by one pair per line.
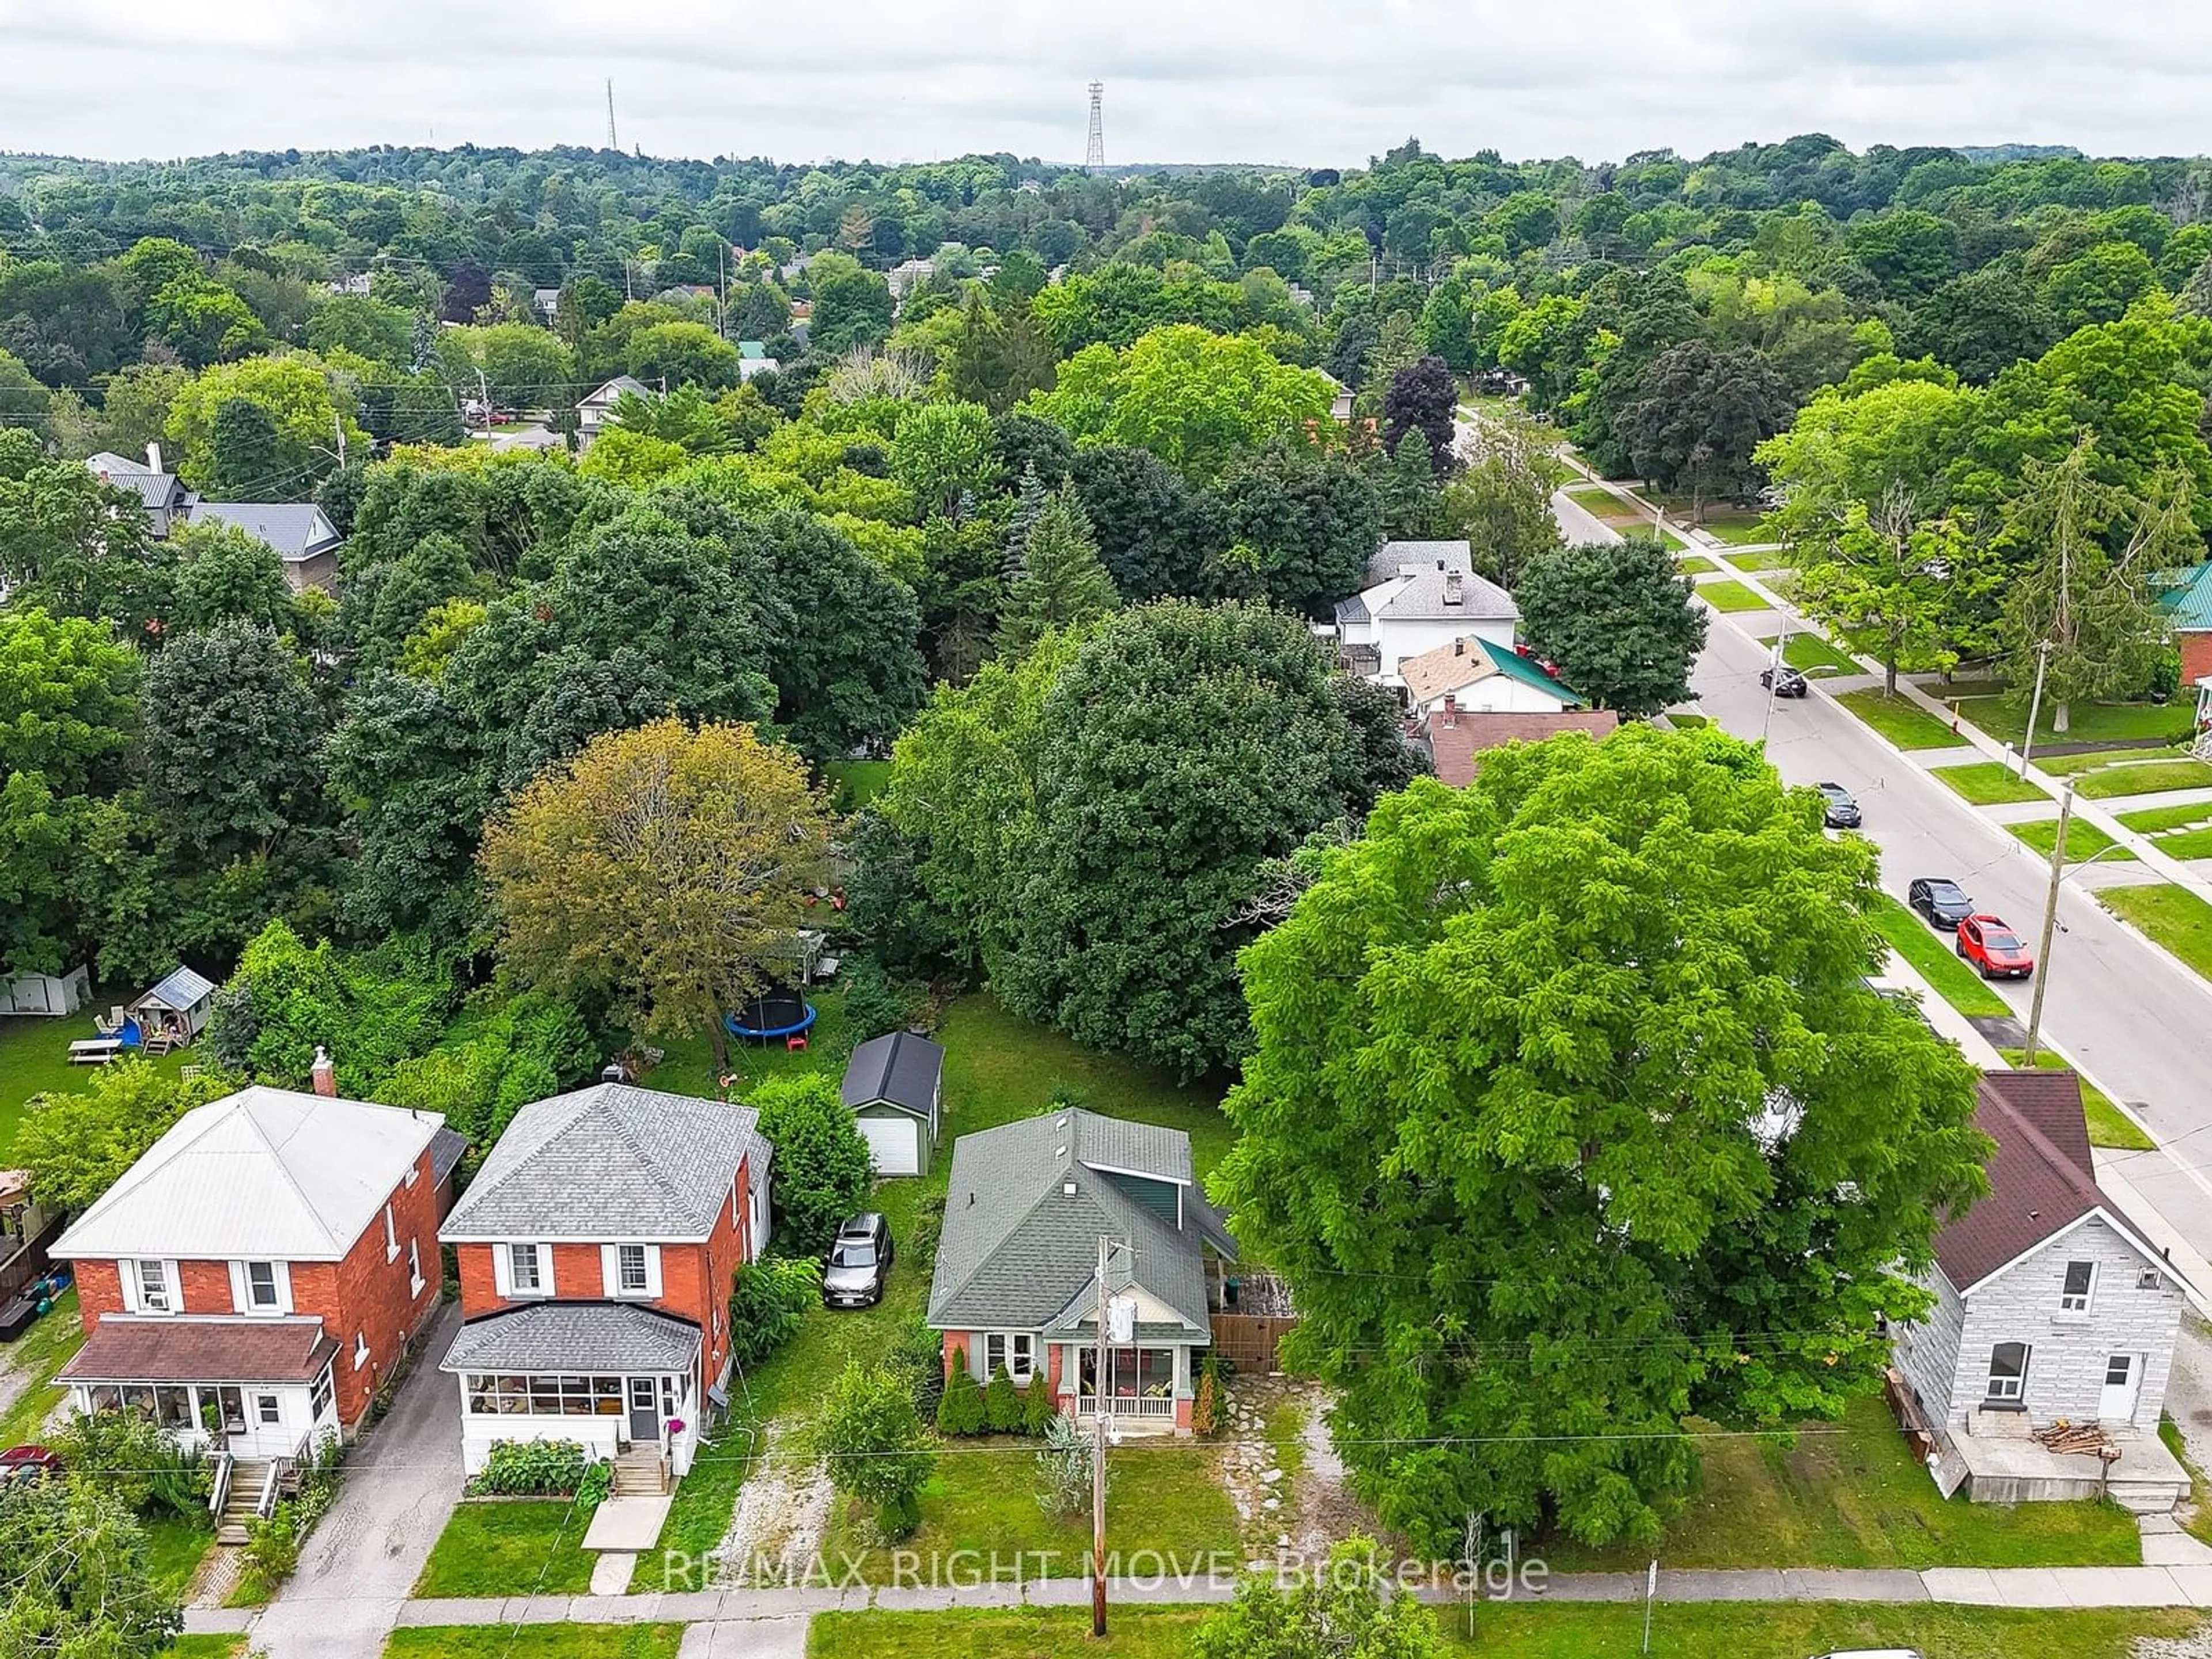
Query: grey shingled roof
x,y
612,1161
448,1147
1019,1251
297,529
574,1337
897,1069
1395,558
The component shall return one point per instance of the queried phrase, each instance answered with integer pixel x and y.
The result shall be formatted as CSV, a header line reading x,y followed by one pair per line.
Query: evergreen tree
x,y
1002,1406
1061,581
248,464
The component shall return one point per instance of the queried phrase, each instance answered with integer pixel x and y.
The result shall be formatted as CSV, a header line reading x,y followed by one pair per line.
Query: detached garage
x,y
892,1087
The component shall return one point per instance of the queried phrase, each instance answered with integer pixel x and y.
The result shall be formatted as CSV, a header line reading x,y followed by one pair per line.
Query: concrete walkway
x,y
399,1490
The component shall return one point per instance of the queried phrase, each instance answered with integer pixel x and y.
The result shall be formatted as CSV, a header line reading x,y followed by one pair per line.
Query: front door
x,y
2122,1382
644,1409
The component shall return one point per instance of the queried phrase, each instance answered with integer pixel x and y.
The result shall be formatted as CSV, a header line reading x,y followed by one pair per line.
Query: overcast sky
x,y
1296,80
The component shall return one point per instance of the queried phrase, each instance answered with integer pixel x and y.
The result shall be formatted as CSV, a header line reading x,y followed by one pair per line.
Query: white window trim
x,y
241,1289
502,1269
414,1267
391,1237
610,1273
134,1290
1009,1338
2017,1385
360,1349
2088,1299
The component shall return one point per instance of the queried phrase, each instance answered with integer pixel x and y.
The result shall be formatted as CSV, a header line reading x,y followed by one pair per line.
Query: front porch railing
x,y
219,1491
1129,1406
265,1505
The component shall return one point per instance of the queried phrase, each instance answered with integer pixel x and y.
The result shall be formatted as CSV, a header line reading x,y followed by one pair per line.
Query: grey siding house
x,y
1017,1277
2051,1307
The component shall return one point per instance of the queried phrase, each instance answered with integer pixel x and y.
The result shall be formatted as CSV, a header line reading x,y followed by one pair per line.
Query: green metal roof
x,y
2188,601
752,351
1511,663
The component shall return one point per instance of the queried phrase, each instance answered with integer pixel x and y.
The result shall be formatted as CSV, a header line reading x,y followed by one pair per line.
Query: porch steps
x,y
640,1474
246,1480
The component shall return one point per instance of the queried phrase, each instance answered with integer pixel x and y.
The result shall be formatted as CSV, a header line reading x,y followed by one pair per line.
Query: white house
x,y
1418,596
595,409
1471,675
2050,1306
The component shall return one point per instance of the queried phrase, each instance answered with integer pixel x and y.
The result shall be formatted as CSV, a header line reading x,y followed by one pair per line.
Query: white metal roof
x,y
267,1174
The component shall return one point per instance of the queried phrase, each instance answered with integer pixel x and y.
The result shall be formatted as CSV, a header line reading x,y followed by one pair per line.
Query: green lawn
x,y
997,1069
857,782
520,1547
2199,1524
34,1060
1988,783
536,1642
205,1647
1905,723
2151,778
48,1346
2108,1127
1773,558
2087,722
2083,840
174,1549
1536,1629
2180,832
1808,654
1738,530
1696,567
1852,1494
2177,919
1161,1498
1936,958
1730,595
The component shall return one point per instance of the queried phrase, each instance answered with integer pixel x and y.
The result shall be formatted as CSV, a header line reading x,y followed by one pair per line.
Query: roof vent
x,y
1459,647
1059,1151
971,1201
1067,1189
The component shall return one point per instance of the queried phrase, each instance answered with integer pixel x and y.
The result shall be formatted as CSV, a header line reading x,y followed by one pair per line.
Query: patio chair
x,y
188,1075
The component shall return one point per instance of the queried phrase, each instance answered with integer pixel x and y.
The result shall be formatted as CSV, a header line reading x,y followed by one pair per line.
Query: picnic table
x,y
94,1051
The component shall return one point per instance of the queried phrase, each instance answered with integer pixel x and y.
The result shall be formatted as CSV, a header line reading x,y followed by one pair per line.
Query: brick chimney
x,y
1454,590
324,1073
1451,710
1459,647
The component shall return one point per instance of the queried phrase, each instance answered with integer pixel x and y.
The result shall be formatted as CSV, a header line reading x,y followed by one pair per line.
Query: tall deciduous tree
x,y
1423,398
1617,618
661,871
945,453
1347,1608
1698,416
77,1580
822,1160
1500,500
876,1448
237,765
1558,1143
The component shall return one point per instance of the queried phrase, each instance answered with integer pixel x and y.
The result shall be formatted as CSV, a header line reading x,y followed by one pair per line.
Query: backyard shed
x,y
179,1003
47,994
892,1086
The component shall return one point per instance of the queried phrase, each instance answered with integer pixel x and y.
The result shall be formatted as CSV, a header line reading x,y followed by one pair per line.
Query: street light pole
x,y
1774,680
1098,1399
2035,707
2051,920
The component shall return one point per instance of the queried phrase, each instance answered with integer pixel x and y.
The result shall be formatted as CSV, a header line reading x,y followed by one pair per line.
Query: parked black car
x,y
1843,810
1784,681
1943,901
859,1261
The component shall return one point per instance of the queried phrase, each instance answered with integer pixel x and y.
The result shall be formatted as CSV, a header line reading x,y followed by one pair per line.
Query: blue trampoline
x,y
775,1012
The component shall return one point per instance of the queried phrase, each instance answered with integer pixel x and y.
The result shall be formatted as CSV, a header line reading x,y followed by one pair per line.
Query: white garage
x,y
893,1087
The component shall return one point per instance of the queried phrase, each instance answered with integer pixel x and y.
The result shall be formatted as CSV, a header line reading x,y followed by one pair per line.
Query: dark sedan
x,y
1943,902
1842,811
1784,681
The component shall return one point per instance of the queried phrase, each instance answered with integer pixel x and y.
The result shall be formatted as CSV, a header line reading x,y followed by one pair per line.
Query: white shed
x,y
179,1004
49,995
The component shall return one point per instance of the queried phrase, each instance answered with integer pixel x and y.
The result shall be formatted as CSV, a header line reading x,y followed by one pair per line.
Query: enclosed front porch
x,y
618,1381
1149,1386
258,1390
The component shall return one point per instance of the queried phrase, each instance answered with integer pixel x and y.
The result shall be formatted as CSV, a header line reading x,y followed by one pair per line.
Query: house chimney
x,y
153,457
324,1073
1451,710
1459,647
1455,593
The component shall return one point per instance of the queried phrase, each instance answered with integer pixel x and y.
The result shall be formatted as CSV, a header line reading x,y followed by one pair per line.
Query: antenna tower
x,y
612,142
1094,151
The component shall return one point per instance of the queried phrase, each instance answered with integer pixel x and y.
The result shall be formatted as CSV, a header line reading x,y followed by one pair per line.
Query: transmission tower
x,y
613,142
1094,151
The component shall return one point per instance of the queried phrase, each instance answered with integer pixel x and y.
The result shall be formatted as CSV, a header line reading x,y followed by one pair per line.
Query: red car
x,y
28,1463
1994,948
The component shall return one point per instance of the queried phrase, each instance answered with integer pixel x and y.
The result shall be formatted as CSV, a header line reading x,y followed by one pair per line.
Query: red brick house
x,y
254,1277
1455,739
597,1247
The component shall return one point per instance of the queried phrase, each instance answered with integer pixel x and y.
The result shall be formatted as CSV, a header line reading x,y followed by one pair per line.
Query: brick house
x,y
2050,1305
2187,601
1017,1275
254,1277
597,1249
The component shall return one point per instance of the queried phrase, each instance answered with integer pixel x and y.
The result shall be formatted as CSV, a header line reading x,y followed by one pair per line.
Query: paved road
x,y
2138,1024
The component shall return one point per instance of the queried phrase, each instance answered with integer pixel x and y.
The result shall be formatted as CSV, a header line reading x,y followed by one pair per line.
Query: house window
x,y
631,1273
391,1237
2147,1279
360,1349
522,1269
269,1409
2118,1369
414,1268
261,1287
153,1287
2080,1276
1015,1350
544,1396
324,1389
2007,1370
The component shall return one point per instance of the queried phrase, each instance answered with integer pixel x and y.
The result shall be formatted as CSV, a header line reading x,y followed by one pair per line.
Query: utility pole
x,y
338,427
2035,707
1098,1398
1773,682
483,393
2050,927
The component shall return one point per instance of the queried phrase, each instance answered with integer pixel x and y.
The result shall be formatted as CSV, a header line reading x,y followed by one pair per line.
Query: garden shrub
x,y
961,1411
272,1544
768,1301
1038,1406
1063,1470
532,1468
1002,1406
822,1166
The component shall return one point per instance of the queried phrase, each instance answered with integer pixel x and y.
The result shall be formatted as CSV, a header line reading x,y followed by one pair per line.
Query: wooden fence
x,y
1248,1341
